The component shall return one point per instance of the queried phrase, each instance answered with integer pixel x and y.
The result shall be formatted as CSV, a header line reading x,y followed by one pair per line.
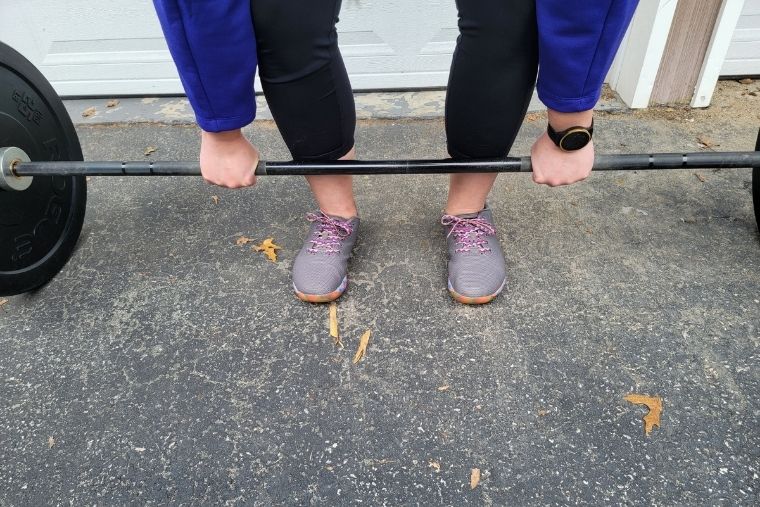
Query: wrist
x,y
223,136
563,121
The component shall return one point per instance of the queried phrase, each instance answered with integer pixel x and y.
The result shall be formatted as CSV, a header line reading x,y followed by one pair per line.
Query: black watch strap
x,y
571,133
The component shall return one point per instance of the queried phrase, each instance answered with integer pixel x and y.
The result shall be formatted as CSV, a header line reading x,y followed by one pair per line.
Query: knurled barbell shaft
x,y
523,164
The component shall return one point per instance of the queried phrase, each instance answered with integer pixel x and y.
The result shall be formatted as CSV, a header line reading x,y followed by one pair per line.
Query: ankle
x,y
347,211
462,210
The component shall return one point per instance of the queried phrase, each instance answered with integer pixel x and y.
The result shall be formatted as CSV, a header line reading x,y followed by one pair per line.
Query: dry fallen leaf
x,y
444,387
51,442
435,465
150,150
542,413
474,478
3,302
531,117
706,142
334,324
112,103
700,177
363,342
654,404
269,249
243,240
90,111
746,81
215,199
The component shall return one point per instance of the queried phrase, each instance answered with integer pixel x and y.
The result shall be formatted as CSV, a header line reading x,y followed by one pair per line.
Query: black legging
x,y
308,91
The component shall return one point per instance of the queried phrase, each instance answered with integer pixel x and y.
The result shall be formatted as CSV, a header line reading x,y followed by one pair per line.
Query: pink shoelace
x,y
330,233
469,232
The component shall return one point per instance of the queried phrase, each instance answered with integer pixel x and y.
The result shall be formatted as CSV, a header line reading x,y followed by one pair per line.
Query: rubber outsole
x,y
323,298
472,300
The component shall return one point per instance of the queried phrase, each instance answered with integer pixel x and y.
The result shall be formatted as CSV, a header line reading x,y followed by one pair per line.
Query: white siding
x,y
743,56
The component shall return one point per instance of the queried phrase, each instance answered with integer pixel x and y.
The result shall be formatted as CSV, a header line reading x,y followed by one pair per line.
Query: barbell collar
x,y
10,158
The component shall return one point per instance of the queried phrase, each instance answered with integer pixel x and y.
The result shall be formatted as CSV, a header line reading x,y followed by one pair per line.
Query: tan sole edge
x,y
467,300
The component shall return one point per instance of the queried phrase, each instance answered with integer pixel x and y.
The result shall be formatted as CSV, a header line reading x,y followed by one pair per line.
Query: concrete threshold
x,y
421,104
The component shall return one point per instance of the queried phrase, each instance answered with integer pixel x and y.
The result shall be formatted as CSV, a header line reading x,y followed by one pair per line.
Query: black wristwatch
x,y
573,138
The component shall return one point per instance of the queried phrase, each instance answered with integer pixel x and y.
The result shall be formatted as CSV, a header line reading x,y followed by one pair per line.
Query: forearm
x,y
563,121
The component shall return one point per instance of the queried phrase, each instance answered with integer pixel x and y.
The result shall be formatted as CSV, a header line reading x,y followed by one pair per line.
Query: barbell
x,y
43,190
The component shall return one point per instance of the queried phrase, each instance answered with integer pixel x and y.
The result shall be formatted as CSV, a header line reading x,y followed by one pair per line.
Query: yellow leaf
x,y
150,150
90,111
215,199
474,478
3,302
334,324
435,465
654,404
112,103
269,249
243,240
363,342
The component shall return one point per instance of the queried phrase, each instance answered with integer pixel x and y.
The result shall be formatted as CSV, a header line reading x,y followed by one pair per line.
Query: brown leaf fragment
x,y
3,302
746,81
444,388
654,404
112,103
435,465
150,150
243,240
700,177
543,413
269,249
532,117
706,141
51,442
334,325
363,342
474,478
90,111
215,199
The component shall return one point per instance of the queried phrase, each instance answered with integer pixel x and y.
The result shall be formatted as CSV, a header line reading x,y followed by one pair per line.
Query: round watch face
x,y
575,140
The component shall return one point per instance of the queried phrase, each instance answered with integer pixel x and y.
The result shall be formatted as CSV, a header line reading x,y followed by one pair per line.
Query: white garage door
x,y
115,47
743,56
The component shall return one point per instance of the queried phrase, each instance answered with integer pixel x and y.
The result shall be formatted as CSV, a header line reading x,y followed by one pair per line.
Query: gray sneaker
x,y
320,271
477,272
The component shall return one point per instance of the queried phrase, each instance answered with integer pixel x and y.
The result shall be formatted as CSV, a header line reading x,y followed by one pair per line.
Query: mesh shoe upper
x,y
476,260
322,264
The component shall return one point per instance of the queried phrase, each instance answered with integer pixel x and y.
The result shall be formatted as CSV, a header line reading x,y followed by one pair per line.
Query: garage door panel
x,y
743,56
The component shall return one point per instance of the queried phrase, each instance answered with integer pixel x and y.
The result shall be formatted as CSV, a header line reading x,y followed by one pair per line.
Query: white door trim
x,y
725,25
635,68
